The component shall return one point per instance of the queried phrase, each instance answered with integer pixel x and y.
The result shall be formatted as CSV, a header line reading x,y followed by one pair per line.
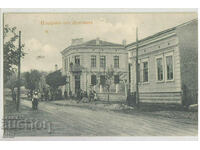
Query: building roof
x,y
101,43
162,32
92,43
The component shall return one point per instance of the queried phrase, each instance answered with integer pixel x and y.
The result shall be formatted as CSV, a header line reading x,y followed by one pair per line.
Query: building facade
x,y
168,65
85,63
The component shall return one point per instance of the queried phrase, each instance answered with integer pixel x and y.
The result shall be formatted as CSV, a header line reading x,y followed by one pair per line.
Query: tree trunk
x,y
12,92
108,94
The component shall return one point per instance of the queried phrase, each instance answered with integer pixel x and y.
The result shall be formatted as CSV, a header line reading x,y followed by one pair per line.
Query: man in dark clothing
x,y
35,101
65,94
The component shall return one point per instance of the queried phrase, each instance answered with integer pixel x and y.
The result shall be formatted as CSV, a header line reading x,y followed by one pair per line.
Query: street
x,y
76,121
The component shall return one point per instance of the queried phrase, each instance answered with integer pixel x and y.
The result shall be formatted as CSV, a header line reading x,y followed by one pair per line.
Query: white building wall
x,y
153,90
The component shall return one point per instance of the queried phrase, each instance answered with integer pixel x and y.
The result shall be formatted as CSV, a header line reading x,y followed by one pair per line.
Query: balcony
x,y
76,68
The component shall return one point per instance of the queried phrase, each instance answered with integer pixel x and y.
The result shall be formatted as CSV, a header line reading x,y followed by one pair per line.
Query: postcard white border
x,y
86,10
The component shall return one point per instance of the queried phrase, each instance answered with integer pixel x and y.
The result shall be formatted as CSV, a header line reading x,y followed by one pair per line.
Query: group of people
x,y
80,95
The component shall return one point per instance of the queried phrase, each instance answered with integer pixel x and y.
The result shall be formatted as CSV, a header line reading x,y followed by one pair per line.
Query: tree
x,y
54,80
10,51
31,80
12,82
109,74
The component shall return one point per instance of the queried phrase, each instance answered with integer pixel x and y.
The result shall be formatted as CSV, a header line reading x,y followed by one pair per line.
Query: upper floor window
x,y
145,72
93,61
77,60
169,67
116,61
103,61
159,64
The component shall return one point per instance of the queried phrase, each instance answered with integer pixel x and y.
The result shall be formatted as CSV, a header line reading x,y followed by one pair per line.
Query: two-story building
x,y
168,65
85,65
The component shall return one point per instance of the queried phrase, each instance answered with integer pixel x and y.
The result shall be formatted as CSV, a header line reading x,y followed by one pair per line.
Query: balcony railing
x,y
76,68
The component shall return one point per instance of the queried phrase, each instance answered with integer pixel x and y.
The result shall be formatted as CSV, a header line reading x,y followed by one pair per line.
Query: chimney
x,y
56,67
124,43
77,41
97,41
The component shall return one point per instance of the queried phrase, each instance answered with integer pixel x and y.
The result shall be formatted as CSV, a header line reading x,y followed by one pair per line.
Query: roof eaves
x,y
152,36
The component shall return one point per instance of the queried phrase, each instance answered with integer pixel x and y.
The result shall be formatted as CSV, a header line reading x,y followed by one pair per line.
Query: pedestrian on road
x,y
35,101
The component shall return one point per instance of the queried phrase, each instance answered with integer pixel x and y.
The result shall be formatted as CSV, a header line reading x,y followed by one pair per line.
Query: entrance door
x,y
77,83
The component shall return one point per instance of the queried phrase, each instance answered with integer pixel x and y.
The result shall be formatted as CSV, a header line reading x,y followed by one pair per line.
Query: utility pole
x,y
136,66
19,67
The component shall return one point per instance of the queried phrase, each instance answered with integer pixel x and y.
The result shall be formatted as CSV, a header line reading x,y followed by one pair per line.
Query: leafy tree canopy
x,y
12,82
10,51
32,79
55,79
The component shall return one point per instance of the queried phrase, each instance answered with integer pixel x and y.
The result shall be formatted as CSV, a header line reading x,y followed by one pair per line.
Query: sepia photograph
x,y
100,74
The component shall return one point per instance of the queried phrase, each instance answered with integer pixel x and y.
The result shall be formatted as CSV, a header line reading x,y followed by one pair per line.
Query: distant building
x,y
168,65
85,64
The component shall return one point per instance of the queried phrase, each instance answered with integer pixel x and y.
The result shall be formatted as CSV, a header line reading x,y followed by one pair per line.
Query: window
x,y
159,64
103,61
116,61
129,72
102,79
93,61
145,71
139,70
93,79
66,64
77,60
116,79
169,67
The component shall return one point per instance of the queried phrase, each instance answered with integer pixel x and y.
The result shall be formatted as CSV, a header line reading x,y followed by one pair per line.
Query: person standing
x,y
35,101
95,95
65,94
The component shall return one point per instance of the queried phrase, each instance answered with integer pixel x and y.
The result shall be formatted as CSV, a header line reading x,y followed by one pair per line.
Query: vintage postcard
x,y
99,74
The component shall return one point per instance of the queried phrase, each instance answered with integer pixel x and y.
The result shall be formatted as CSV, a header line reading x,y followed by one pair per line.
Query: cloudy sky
x,y
46,35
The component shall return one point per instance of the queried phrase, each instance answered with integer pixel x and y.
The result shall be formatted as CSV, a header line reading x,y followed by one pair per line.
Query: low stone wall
x,y
112,96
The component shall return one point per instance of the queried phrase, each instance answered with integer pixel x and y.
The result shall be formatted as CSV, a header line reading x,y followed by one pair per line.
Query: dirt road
x,y
75,121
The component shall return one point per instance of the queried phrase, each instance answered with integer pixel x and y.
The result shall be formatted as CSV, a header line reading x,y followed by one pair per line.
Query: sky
x,y
45,35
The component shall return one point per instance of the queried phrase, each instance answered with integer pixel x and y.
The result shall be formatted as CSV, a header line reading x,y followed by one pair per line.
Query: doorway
x,y
77,83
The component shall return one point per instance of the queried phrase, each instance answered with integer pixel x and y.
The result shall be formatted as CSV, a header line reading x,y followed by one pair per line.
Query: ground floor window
x,y
159,64
116,79
139,73
145,71
102,79
169,67
93,80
